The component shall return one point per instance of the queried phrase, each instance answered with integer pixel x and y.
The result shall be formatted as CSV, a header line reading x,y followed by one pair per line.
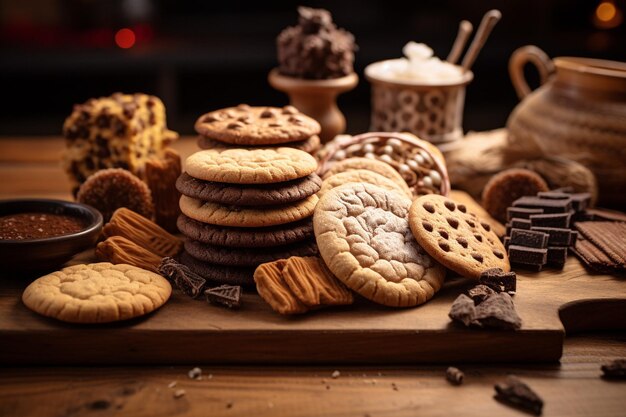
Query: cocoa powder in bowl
x,y
38,225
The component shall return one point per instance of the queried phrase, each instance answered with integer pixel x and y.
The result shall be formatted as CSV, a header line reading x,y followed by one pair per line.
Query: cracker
x,y
455,237
246,125
97,293
364,238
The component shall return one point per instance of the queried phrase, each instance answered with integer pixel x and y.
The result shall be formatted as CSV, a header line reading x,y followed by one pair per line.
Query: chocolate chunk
x,y
479,293
516,393
498,280
224,295
520,224
506,241
558,236
526,255
615,369
561,220
185,280
580,201
521,212
548,206
497,312
454,375
530,238
557,256
462,310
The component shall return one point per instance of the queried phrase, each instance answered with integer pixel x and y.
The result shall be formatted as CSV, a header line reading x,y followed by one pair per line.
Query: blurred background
x,y
203,55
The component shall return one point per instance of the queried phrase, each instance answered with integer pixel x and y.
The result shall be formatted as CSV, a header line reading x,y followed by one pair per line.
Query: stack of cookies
x,y
258,127
244,207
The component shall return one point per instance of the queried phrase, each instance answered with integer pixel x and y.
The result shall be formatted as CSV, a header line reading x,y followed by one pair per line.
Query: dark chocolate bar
x,y
520,224
551,220
558,236
530,238
525,255
548,206
521,212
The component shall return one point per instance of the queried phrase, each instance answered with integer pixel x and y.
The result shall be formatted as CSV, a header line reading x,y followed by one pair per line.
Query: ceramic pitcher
x,y
579,113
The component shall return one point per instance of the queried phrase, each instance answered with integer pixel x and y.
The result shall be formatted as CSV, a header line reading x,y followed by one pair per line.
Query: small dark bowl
x,y
49,253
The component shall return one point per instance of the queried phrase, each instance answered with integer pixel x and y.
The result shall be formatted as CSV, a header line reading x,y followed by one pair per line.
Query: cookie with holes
x,y
456,238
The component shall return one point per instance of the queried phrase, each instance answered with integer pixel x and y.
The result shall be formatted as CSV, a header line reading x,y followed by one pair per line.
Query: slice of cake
x,y
120,131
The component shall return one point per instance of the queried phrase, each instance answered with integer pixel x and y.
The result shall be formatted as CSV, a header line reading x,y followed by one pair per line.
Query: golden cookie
x,y
314,285
272,287
97,293
363,236
455,237
374,165
223,215
255,166
246,125
360,176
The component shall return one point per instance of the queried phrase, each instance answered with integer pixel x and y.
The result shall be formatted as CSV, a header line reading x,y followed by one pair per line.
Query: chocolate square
x,y
558,236
557,255
521,212
520,224
548,206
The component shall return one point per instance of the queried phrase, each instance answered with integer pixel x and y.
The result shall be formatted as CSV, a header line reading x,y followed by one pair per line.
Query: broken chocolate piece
x,y
479,293
561,220
520,224
526,255
516,393
548,206
462,310
497,312
530,238
184,278
557,256
615,369
498,280
558,236
454,375
225,295
521,212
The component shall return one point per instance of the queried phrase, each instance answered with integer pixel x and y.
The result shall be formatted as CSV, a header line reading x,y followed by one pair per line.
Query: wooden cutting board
x,y
187,331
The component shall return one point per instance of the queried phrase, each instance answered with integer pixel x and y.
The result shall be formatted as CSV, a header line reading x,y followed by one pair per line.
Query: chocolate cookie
x,y
247,256
246,125
245,237
310,145
109,189
219,274
249,194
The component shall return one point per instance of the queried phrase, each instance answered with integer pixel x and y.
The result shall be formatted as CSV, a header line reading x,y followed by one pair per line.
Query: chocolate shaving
x,y
615,369
517,394
224,295
184,278
454,375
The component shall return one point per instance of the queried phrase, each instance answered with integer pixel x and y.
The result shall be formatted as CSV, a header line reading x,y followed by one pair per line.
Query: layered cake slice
x,y
120,131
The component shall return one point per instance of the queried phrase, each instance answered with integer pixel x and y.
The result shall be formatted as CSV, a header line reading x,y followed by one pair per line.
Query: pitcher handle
x,y
519,59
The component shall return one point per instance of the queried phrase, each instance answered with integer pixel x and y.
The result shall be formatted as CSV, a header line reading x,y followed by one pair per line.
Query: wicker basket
x,y
432,112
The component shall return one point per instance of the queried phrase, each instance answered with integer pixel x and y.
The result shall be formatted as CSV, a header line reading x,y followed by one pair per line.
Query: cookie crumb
x,y
195,373
336,374
454,375
229,404
615,369
327,386
394,386
179,393
172,384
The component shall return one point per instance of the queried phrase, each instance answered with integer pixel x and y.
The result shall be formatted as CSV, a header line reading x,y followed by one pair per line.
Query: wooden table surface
x,y
29,167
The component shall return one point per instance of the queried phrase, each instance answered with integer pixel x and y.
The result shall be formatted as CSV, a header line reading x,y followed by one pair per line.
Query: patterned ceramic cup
x,y
430,111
